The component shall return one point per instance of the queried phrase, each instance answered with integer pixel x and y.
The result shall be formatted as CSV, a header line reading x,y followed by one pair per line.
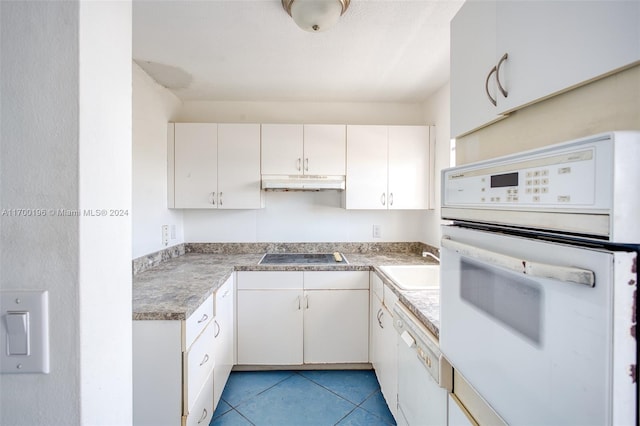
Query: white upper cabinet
x,y
239,166
506,55
388,167
296,149
367,158
409,167
195,159
214,166
325,149
282,149
473,57
575,42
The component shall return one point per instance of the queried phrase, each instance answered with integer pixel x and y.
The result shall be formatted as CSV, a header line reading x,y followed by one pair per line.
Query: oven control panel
x,y
586,187
570,179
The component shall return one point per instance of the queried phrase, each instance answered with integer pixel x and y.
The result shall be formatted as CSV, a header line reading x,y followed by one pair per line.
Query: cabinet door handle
x,y
204,360
299,164
217,332
220,199
203,319
383,198
486,86
391,199
306,301
306,164
212,198
502,89
299,307
380,314
205,413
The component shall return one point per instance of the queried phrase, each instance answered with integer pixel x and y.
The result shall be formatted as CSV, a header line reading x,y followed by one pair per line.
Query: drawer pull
x,y
205,413
203,319
217,333
204,360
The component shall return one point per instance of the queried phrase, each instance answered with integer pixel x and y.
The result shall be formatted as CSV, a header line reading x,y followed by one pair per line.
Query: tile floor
x,y
301,398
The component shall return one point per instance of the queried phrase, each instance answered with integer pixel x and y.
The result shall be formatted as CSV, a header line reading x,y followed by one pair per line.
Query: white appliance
x,y
424,376
539,280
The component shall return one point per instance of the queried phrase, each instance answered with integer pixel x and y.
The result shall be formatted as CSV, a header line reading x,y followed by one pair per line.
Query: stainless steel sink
x,y
302,259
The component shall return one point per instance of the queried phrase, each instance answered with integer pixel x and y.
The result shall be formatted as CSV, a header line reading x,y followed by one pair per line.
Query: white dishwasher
x,y
424,376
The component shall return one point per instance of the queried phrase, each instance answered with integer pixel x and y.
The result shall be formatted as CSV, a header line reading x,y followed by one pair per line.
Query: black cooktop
x,y
301,258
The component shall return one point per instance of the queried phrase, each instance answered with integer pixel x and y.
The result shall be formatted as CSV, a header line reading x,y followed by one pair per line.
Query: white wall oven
x,y
539,281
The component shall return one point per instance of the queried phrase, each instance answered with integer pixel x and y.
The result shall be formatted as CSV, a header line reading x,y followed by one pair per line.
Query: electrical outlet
x,y
165,235
376,231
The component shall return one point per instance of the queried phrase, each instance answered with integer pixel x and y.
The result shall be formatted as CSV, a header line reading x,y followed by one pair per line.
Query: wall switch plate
x,y
377,231
165,235
173,232
24,331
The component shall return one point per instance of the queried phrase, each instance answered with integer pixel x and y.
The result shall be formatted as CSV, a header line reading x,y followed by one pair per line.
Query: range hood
x,y
302,182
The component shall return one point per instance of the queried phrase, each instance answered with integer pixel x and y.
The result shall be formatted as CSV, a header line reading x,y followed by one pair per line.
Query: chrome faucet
x,y
428,254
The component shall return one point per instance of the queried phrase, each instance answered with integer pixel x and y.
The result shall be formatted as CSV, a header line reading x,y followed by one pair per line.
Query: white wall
x,y
296,216
153,107
104,264
65,140
302,217
437,110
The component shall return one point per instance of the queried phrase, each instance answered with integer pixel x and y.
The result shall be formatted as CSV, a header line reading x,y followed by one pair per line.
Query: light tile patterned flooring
x,y
301,398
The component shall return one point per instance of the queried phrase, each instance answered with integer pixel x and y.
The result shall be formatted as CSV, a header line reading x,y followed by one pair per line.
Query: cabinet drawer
x,y
197,364
270,280
202,411
197,322
225,292
336,280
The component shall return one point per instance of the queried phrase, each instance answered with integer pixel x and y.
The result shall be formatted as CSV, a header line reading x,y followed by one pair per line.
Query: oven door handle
x,y
523,266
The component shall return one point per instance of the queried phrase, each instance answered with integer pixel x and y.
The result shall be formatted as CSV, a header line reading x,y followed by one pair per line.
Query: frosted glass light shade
x,y
315,15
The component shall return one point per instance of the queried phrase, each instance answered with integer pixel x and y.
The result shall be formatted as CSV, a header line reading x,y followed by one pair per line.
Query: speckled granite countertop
x,y
173,289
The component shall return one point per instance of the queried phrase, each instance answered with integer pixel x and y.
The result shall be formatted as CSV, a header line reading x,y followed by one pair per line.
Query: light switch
x,y
24,331
17,333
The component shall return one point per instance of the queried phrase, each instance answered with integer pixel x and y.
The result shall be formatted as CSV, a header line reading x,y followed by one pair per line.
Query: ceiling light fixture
x,y
315,15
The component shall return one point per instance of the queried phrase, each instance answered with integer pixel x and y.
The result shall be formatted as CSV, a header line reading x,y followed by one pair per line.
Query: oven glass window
x,y
513,300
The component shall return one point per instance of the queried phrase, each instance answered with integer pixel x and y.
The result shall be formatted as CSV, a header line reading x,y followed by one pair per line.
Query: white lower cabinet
x,y
173,364
269,326
384,345
224,337
296,317
336,326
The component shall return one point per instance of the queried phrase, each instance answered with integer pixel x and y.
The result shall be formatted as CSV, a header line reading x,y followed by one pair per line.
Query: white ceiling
x,y
251,50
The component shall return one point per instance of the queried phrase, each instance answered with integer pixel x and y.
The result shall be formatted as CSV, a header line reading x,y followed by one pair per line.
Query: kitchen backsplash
x,y
143,263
